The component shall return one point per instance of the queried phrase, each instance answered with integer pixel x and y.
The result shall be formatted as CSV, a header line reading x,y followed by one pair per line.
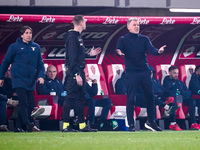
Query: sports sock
x,y
173,123
82,125
65,125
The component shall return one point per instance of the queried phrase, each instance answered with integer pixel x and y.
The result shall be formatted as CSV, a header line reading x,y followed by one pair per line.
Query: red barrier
x,y
97,19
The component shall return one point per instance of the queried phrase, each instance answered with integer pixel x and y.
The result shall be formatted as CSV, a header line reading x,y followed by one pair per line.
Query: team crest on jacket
x,y
33,48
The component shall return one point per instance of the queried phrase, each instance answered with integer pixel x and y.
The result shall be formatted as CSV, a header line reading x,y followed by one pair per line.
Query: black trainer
x,y
88,129
30,127
131,129
69,129
172,109
19,130
152,126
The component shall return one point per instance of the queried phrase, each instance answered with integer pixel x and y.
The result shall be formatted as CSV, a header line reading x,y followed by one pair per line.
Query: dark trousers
x,y
133,81
75,94
190,102
26,106
198,105
91,103
3,102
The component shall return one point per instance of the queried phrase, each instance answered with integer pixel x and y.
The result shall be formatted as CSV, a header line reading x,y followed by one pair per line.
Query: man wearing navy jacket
x,y
194,86
133,46
52,84
181,93
27,67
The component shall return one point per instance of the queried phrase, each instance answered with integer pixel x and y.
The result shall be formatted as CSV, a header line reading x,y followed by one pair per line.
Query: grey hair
x,y
131,19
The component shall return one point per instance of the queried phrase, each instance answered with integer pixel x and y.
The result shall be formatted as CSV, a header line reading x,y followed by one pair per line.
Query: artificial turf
x,y
166,140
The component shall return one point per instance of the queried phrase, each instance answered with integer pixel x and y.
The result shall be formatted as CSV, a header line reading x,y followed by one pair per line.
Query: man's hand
x,y
161,50
95,52
41,80
1,83
79,80
119,52
94,81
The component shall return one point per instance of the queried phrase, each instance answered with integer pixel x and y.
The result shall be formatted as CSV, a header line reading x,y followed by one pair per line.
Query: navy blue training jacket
x,y
27,64
49,84
194,84
172,84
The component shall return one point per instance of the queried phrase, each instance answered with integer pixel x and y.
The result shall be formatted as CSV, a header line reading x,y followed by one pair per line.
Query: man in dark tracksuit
x,y
134,46
181,93
194,86
75,76
91,103
27,67
52,84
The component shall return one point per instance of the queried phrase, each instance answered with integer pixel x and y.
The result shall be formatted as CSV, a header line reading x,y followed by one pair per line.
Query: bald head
x,y
51,72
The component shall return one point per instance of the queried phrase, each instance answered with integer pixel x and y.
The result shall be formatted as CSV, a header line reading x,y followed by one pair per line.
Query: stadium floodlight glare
x,y
184,10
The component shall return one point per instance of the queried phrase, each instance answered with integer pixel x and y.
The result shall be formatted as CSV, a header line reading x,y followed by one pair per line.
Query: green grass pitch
x,y
166,140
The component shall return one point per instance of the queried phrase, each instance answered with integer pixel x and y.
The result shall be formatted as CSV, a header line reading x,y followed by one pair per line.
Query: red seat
x,y
161,73
95,71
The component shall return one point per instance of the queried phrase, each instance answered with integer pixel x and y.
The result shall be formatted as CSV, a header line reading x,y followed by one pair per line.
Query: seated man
x,y
105,103
52,85
194,86
159,93
179,91
6,95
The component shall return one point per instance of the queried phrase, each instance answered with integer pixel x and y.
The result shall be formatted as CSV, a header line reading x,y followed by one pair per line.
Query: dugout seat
x,y
113,73
95,71
161,73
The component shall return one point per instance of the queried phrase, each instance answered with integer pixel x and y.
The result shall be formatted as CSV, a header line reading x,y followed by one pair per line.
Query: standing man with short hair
x,y
133,46
27,67
75,76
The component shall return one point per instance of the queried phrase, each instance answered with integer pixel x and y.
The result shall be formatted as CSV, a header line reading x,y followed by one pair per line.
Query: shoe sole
x,y
37,113
150,128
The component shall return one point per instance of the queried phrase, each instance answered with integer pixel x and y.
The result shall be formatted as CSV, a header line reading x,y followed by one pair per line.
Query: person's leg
x,y
191,103
23,105
80,101
91,109
132,85
72,89
147,88
31,103
172,93
198,106
3,101
106,104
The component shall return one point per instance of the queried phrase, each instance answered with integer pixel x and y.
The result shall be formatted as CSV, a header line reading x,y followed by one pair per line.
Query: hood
x,y
152,69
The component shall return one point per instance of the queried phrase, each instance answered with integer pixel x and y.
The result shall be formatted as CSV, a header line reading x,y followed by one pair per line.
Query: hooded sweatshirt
x,y
75,52
158,90
27,64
